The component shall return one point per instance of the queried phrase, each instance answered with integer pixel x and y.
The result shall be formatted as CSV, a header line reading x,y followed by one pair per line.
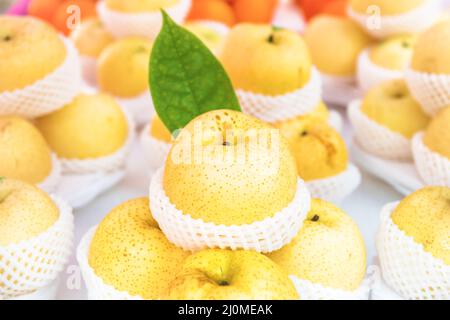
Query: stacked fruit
x,y
228,199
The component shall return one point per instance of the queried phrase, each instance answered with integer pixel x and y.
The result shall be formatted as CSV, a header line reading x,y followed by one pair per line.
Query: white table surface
x,y
363,205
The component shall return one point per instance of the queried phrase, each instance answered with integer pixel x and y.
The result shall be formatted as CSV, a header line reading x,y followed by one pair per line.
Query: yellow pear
x,y
335,44
432,50
159,131
24,153
231,275
130,252
211,38
139,6
391,105
228,168
386,7
328,250
437,135
25,212
425,216
319,149
91,38
266,60
394,53
91,126
122,68
30,49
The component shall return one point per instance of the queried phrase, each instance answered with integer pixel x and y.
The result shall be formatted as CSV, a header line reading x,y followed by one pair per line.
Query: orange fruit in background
x,y
62,19
255,11
43,9
336,8
311,8
217,10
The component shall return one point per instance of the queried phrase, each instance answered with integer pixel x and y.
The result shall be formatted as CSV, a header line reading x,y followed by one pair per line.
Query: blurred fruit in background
x,y
216,10
311,8
58,13
255,11
231,12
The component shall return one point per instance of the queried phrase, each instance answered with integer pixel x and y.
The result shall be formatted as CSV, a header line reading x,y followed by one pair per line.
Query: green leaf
x,y
186,79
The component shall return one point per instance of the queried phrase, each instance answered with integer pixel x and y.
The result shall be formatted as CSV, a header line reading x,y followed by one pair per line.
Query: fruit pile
x,y
247,162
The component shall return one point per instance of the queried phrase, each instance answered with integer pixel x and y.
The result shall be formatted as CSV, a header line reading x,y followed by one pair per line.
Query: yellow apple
x,y
24,153
25,212
425,216
335,44
29,50
122,68
230,275
329,249
391,105
437,135
387,7
210,37
130,252
266,60
159,131
394,53
319,149
137,6
231,179
432,50
91,126
91,38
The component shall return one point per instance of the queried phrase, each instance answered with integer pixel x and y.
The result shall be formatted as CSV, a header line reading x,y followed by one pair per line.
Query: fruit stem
x,y
315,218
271,38
7,38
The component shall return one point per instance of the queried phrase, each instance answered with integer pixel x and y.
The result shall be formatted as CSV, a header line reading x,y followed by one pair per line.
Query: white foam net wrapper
x,y
140,108
336,188
48,94
414,21
51,182
195,234
96,287
89,70
314,291
433,168
377,139
282,107
155,151
369,74
33,264
406,267
140,24
432,91
108,163
340,90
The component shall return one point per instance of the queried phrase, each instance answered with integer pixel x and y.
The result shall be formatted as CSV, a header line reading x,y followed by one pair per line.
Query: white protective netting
x,y
432,91
194,234
433,168
339,90
146,24
370,75
110,163
314,291
406,267
276,108
48,94
414,21
336,188
377,139
33,264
